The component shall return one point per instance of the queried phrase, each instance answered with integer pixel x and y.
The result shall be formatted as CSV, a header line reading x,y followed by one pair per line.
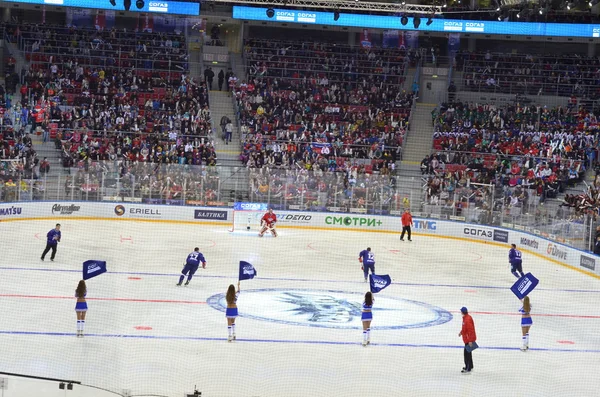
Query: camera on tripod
x,y
195,394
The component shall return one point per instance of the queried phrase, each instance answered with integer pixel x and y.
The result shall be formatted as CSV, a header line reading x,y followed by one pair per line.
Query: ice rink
x,y
299,326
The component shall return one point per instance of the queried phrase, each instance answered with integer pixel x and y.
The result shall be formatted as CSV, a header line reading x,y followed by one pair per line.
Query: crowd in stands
x,y
526,150
527,74
113,94
316,106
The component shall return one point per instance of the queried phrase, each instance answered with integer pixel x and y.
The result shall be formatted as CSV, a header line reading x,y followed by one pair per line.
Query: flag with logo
x,y
321,147
93,268
524,285
379,282
247,271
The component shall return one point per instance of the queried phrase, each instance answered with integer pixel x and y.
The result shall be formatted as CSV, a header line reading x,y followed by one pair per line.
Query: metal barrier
x,y
379,191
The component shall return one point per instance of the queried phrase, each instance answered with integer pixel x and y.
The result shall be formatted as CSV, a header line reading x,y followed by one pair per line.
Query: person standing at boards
x,y
80,307
367,317
526,322
231,312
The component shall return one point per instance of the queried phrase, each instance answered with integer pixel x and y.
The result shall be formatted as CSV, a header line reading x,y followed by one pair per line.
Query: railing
x,y
378,191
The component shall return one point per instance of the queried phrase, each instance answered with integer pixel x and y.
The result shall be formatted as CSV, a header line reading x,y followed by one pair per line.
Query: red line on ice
x,y
103,299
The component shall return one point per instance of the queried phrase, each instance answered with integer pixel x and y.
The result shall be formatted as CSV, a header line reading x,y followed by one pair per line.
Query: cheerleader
x,y
526,322
367,316
232,312
80,307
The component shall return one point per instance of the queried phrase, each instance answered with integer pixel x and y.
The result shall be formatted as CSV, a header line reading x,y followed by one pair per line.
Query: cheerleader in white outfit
x,y
232,312
526,322
366,317
80,307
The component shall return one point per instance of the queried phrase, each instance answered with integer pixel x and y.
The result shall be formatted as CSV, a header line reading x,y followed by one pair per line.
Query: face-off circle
x,y
332,309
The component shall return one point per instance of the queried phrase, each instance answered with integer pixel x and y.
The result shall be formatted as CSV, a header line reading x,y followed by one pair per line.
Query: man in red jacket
x,y
407,222
469,337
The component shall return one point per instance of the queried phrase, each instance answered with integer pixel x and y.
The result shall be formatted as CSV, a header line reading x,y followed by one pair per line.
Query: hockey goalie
x,y
268,223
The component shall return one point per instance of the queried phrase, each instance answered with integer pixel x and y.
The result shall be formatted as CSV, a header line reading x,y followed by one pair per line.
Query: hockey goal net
x,y
247,216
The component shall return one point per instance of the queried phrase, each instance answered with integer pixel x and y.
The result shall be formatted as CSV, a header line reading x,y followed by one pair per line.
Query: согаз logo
x,y
471,231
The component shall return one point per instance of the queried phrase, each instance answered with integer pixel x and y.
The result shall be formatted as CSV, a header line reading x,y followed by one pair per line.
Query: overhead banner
x,y
438,25
161,7
453,43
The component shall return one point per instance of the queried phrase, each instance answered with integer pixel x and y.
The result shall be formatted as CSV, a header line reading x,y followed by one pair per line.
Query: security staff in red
x,y
407,222
469,337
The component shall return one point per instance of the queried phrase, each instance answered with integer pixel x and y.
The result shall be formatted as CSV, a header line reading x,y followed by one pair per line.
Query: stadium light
x,y
403,20
429,20
127,4
336,15
416,21
113,3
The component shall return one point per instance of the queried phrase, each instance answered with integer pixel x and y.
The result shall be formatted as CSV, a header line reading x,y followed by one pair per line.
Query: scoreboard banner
x,y
437,25
161,7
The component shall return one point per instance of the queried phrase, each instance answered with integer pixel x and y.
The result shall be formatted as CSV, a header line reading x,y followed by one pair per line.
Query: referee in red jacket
x,y
469,337
407,222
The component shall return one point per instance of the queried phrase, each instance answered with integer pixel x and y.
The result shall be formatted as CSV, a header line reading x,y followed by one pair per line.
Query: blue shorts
x,y
366,316
526,321
81,307
231,312
191,269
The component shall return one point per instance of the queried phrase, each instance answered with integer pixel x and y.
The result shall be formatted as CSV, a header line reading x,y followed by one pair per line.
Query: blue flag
x,y
93,269
379,282
247,271
524,285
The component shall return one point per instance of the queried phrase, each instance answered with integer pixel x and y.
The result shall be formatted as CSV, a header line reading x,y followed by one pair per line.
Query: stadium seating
x,y
322,104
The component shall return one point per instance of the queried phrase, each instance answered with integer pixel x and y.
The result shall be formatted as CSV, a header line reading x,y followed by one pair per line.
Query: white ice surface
x,y
187,345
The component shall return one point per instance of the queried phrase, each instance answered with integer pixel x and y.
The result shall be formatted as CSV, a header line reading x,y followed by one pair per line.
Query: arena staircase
x,y
419,140
52,183
234,174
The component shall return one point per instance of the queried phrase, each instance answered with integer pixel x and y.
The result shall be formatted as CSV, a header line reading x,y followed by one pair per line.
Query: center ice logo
x,y
331,309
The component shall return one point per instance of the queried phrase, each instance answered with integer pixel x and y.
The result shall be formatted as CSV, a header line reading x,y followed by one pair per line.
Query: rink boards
x,y
532,242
